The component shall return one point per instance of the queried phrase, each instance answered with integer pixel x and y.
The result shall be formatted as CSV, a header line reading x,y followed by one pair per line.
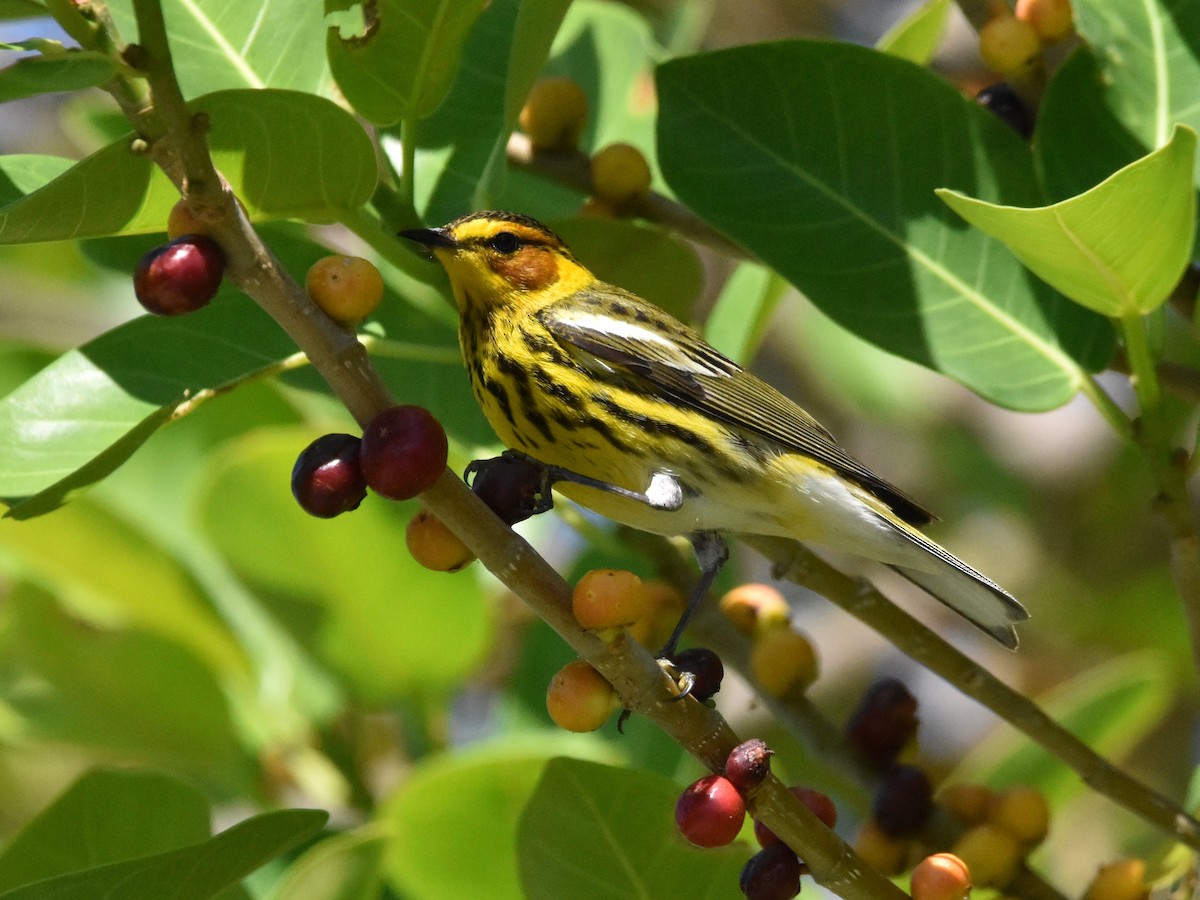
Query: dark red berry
x,y
1008,106
748,764
710,812
327,479
771,874
703,668
510,486
904,802
179,277
886,720
403,451
818,803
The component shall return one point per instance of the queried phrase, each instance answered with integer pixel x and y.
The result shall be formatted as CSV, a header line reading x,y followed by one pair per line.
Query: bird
x,y
639,419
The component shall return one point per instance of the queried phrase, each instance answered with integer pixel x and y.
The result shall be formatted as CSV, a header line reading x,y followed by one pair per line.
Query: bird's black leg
x,y
664,493
711,553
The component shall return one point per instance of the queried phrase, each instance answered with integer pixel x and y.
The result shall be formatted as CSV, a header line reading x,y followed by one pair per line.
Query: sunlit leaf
x,y
286,154
917,35
1117,249
221,45
402,63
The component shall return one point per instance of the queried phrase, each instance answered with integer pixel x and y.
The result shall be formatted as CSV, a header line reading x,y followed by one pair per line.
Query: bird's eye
x,y
505,242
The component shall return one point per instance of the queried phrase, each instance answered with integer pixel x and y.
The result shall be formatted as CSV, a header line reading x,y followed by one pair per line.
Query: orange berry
x,y
579,698
182,220
990,853
1008,45
664,606
597,209
968,803
608,598
755,607
554,114
783,662
434,545
942,876
1124,879
347,288
1051,19
1023,813
620,174
882,853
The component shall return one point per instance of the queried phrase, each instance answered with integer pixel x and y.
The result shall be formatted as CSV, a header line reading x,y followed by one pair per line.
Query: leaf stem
x,y
1107,407
1141,365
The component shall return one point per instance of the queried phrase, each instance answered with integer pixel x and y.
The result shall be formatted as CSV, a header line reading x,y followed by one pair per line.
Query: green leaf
x,y
343,867
83,415
390,627
1111,707
158,701
917,35
1123,95
104,817
1117,249
198,872
402,63
229,44
461,146
822,158
71,71
537,23
620,822
109,573
23,173
470,800
286,154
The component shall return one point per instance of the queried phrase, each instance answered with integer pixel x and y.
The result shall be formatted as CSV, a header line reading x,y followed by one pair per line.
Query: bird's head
x,y
496,258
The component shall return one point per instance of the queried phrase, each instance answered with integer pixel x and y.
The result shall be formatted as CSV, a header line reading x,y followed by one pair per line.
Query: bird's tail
x,y
964,590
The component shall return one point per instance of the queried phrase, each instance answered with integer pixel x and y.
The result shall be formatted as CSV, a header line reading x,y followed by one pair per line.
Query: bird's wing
x,y
613,330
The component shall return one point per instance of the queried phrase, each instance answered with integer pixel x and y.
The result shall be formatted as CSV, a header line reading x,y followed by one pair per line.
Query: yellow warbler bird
x,y
642,421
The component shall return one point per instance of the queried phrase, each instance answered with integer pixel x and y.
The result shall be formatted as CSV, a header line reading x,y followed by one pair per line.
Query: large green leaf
x,y
158,702
402,63
226,44
196,872
80,417
1123,95
346,586
104,817
285,153
620,822
23,173
63,71
471,800
822,158
1117,249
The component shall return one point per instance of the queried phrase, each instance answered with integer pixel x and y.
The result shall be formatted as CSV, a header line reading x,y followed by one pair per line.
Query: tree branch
x,y
795,563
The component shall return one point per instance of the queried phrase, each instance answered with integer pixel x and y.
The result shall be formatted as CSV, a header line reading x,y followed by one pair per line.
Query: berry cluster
x,y
783,661
554,117
1010,44
712,810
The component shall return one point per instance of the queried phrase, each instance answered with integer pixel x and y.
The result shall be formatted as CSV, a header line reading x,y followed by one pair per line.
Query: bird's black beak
x,y
430,237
